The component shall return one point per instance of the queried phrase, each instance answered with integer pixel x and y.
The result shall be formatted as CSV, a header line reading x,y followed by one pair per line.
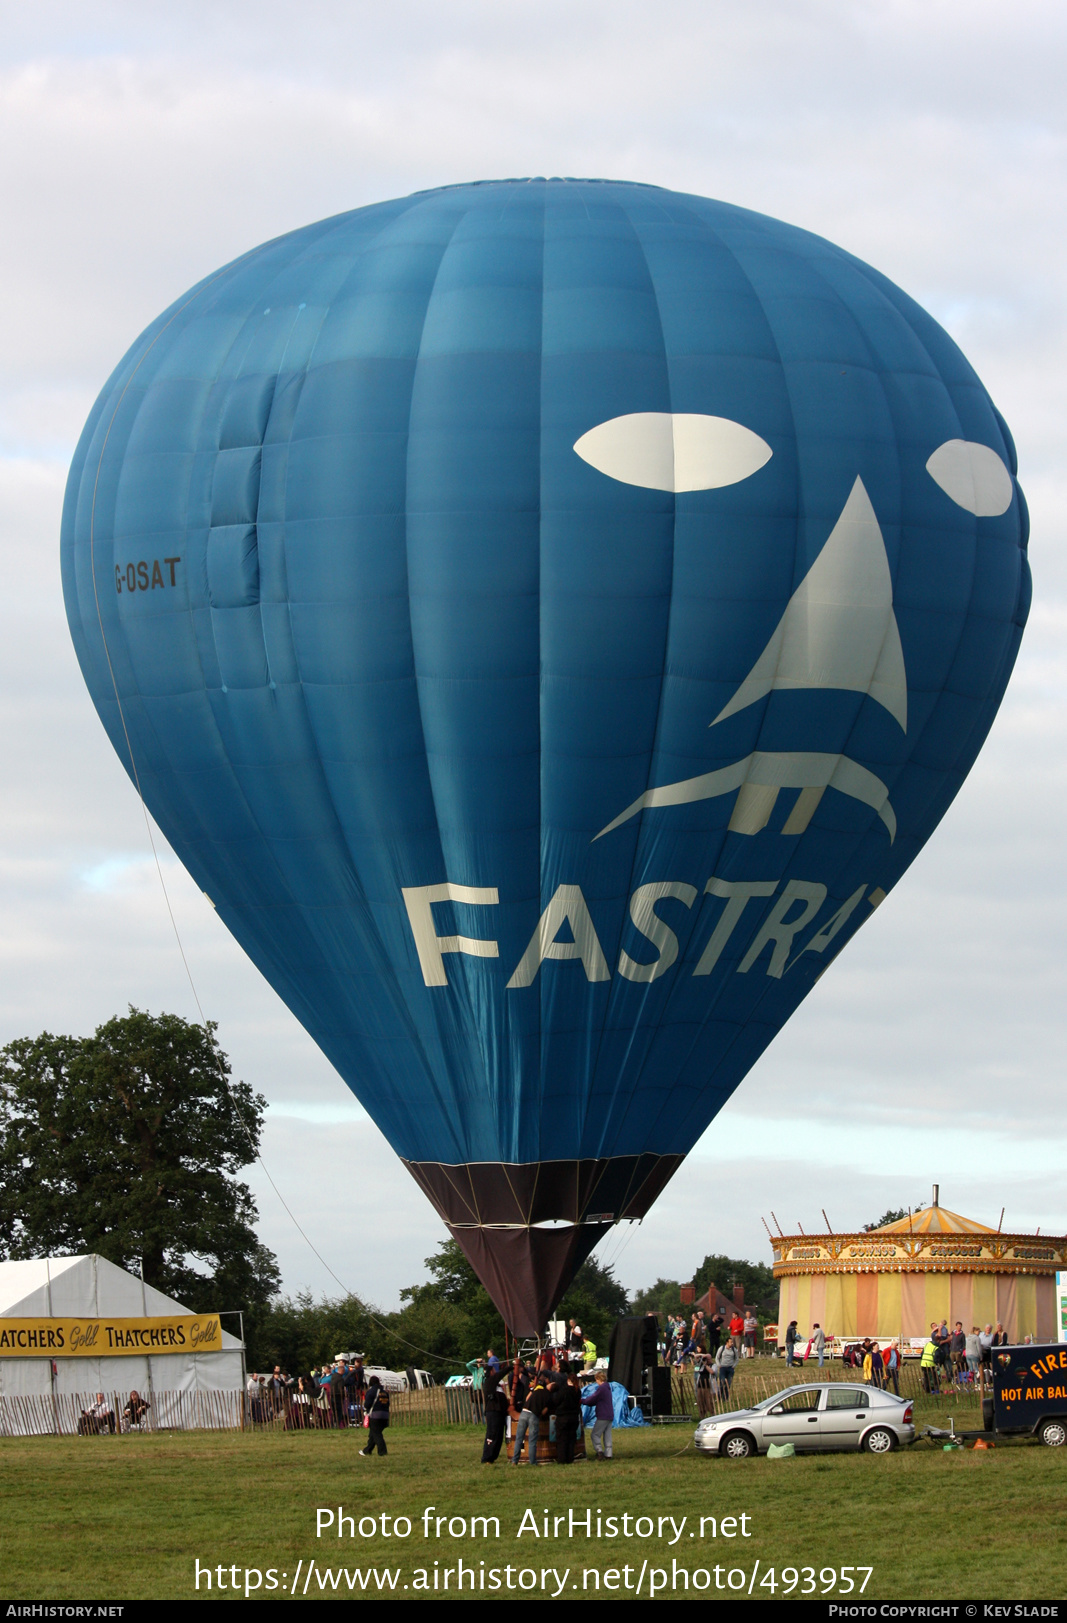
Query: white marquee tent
x,y
92,1287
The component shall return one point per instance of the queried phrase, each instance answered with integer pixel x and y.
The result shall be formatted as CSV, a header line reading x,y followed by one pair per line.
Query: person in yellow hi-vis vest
x,y
589,1352
928,1366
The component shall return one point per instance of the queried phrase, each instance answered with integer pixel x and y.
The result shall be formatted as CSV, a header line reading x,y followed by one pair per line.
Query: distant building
x,y
934,1265
713,1301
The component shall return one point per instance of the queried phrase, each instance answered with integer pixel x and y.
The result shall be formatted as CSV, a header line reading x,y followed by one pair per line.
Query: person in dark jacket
x,y
791,1341
568,1411
520,1385
529,1425
337,1395
355,1384
376,1406
496,1408
702,1383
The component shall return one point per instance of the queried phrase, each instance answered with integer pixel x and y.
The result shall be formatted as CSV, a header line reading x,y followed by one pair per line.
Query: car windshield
x,y
780,1397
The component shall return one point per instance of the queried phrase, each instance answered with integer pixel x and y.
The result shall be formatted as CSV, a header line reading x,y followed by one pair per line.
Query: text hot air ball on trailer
x,y
546,618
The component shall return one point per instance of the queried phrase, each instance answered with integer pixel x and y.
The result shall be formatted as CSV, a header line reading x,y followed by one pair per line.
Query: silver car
x,y
816,1416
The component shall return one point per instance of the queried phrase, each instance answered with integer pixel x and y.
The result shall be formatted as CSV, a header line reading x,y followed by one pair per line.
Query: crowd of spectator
x,y
685,1342
711,1347
333,1395
954,1357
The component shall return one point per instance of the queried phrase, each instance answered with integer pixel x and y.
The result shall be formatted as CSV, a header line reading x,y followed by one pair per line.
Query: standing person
x,y
973,1350
491,1360
376,1404
985,1345
278,1388
589,1352
604,1409
737,1331
254,1393
892,1367
818,1343
520,1385
702,1384
575,1340
300,1415
529,1425
496,1409
958,1345
715,1331
790,1341
353,1392
359,1388
335,1389
751,1325
723,1369
928,1363
868,1362
568,1419
1000,1336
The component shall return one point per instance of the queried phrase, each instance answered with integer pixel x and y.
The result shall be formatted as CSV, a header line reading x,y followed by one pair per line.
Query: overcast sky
x,y
143,145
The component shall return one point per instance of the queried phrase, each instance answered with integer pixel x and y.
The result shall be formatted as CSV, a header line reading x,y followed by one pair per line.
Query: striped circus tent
x,y
934,1264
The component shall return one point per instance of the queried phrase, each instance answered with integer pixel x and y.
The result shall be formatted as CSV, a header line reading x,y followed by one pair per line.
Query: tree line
x,y
129,1144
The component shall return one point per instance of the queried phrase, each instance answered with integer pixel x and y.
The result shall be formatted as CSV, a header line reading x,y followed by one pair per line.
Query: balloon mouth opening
x,y
527,1227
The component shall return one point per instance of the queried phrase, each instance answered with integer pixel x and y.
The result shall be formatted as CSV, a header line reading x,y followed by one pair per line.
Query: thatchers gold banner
x,y
108,1338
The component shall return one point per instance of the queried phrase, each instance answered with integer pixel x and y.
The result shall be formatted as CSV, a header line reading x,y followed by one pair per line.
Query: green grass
x,y
125,1517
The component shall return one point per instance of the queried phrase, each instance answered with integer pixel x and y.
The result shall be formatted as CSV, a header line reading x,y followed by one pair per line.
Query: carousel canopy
x,y
934,1220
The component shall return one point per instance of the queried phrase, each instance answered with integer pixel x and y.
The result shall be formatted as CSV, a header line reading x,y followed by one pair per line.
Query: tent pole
x,y
244,1371
51,1361
148,1356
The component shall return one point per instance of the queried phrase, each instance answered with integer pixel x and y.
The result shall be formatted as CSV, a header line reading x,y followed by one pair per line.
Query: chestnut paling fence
x,y
70,1413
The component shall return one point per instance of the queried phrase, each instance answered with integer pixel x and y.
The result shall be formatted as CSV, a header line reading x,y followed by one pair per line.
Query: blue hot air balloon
x,y
546,618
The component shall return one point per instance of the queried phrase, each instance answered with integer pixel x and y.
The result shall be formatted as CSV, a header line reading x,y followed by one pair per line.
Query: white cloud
x,y
144,147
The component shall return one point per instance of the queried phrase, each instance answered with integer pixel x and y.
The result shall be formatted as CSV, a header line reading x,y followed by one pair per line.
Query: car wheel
x,y
1053,1433
736,1445
879,1441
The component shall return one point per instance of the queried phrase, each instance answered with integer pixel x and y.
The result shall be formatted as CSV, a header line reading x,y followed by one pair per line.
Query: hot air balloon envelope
x,y
546,618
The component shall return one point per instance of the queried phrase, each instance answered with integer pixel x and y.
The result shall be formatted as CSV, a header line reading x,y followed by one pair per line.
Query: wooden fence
x,y
72,1413
69,1414
759,1378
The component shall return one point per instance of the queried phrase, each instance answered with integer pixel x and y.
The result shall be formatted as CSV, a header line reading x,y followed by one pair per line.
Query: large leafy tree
x,y
127,1143
662,1298
444,1322
596,1299
453,1313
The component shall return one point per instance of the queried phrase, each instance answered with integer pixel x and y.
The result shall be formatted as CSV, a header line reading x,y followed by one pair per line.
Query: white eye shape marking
x,y
663,450
973,476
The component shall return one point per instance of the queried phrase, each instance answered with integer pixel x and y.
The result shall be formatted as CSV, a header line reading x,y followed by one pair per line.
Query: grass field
x,y
128,1517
